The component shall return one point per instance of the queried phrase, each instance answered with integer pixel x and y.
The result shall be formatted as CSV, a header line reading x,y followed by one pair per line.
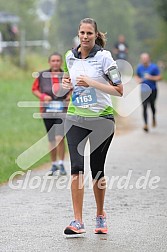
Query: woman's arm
x,y
109,89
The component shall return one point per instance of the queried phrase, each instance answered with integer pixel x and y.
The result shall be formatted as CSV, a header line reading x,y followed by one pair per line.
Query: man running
x,y
45,87
147,74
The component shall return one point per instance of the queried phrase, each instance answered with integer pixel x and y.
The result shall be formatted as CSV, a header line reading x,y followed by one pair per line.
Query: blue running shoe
x,y
101,225
53,169
62,170
75,227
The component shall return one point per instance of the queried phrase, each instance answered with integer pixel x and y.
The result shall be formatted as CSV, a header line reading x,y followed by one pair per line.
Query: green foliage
x,y
162,8
159,44
159,48
18,129
165,75
115,17
108,19
26,10
137,20
65,23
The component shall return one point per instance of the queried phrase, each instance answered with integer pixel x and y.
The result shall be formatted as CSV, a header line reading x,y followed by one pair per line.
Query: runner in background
x,y
121,48
120,52
147,75
45,87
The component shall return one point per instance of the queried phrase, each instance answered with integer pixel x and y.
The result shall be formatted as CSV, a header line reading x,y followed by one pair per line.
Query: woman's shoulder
x,y
105,57
104,53
68,52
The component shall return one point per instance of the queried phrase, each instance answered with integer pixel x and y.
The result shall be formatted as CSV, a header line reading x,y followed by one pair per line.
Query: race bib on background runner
x,y
54,106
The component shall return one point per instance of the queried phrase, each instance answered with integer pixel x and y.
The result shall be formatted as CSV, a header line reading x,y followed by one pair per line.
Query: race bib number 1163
x,y
84,98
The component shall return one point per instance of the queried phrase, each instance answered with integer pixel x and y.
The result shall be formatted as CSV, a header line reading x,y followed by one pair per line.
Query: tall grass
x,y
164,75
18,129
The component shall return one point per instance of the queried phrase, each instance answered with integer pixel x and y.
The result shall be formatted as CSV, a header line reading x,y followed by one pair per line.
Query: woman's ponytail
x,y
101,39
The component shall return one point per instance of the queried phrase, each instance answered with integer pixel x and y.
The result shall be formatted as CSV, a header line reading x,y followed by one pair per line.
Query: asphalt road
x,y
34,219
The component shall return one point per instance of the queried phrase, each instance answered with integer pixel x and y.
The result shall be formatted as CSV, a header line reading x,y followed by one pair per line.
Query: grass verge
x,y
18,129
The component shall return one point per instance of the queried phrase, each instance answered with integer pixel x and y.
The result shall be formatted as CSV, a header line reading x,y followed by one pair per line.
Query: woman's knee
x,y
97,175
75,169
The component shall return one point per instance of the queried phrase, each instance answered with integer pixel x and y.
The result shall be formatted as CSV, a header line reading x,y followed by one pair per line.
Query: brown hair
x,y
101,38
55,54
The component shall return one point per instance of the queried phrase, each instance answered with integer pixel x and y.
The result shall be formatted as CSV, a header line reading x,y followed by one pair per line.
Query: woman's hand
x,y
66,83
47,98
109,89
83,80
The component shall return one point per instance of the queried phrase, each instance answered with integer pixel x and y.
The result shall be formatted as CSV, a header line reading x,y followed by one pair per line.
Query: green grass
x,y
165,75
18,129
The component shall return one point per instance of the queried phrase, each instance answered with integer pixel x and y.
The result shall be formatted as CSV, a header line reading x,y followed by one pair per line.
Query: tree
x,y
162,9
29,21
137,20
65,23
159,48
114,17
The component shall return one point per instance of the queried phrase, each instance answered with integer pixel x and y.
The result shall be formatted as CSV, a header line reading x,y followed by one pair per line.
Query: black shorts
x,y
100,132
54,127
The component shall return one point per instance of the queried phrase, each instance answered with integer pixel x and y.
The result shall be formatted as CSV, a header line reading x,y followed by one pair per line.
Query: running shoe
x,y
75,227
62,170
101,225
53,169
154,123
145,128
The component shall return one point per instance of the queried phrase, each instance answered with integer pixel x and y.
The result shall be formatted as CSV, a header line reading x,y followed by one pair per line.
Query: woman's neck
x,y
85,52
